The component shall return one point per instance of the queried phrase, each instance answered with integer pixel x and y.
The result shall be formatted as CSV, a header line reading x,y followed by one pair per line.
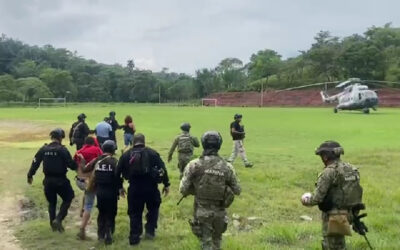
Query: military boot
x,y
108,239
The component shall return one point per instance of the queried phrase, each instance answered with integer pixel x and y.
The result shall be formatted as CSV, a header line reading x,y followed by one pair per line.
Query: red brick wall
x,y
303,98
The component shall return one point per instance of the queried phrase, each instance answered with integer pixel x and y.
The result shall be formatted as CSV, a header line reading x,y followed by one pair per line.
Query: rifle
x,y
359,226
180,200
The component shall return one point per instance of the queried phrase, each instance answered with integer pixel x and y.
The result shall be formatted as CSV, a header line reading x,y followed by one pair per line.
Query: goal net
x,y
52,102
209,102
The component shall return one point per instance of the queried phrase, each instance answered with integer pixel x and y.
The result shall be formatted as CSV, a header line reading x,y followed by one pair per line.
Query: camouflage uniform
x,y
185,153
210,218
327,192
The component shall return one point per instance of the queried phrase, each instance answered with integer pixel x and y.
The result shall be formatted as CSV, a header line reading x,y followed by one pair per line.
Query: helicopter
x,y
355,94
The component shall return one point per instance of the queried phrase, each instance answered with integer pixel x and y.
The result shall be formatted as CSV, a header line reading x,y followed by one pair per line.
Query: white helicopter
x,y
355,94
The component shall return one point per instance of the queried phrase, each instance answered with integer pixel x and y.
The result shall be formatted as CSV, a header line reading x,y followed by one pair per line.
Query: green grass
x,y
280,142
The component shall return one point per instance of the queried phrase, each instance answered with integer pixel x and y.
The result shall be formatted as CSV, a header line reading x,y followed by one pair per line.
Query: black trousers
x,y
60,186
107,203
101,140
137,200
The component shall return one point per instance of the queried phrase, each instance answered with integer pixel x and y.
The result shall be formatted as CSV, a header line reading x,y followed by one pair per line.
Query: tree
x,y
32,88
323,56
232,73
264,64
59,82
26,68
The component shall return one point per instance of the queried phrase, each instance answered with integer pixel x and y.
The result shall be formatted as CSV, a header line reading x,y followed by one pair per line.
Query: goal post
x,y
209,102
50,102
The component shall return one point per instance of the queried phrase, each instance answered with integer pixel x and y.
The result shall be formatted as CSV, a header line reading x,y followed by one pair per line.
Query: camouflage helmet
x,y
57,133
211,139
109,146
237,116
330,146
186,126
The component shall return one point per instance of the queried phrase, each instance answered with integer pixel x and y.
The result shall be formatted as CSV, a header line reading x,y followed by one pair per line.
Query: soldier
x,y
56,159
213,183
338,194
238,134
79,131
107,186
185,143
144,169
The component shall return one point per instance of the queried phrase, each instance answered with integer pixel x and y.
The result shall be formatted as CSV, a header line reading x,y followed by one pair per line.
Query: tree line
x,y
31,72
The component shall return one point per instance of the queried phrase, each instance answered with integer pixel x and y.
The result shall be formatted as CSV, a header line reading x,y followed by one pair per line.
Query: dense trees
x,y
29,72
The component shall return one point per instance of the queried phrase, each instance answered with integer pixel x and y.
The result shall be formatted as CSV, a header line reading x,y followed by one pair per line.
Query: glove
x,y
30,180
169,158
305,199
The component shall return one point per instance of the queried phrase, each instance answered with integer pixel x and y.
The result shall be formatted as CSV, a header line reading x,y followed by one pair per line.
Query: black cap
x,y
112,113
81,116
237,116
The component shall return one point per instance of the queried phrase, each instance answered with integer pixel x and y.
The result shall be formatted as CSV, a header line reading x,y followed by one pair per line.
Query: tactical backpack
x,y
138,163
346,191
185,144
212,185
76,131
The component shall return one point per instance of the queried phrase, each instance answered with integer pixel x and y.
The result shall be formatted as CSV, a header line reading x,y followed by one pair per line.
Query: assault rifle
x,y
359,226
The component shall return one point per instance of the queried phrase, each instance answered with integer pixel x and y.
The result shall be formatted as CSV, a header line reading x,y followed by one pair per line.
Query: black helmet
x,y
237,116
112,113
186,126
81,117
109,147
330,146
211,139
57,133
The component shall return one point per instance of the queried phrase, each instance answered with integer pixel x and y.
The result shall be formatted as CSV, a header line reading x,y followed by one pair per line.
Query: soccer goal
x,y
52,102
209,102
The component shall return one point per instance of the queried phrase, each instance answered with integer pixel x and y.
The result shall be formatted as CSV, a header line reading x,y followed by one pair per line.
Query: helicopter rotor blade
x,y
384,86
307,86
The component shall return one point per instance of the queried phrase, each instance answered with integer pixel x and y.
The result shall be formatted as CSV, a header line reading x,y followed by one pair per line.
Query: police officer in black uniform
x,y
79,131
144,169
107,186
56,159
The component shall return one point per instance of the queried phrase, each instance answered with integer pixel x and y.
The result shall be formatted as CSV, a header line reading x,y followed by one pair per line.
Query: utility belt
x,y
339,222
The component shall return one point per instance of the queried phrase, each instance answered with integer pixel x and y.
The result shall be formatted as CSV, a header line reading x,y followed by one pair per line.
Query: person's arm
x,y
71,132
233,181
37,160
234,131
325,181
132,125
68,159
195,142
186,186
173,147
86,130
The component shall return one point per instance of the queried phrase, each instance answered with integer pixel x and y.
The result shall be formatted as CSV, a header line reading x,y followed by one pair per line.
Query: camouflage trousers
x,y
331,242
183,160
208,226
238,149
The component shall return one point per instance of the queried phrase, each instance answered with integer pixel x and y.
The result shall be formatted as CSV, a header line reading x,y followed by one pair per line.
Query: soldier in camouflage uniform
x,y
338,194
214,184
185,143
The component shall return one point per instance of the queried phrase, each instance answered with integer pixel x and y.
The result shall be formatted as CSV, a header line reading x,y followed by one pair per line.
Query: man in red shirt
x,y
83,157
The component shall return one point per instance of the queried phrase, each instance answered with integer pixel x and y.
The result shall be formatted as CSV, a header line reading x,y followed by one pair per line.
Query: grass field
x,y
280,142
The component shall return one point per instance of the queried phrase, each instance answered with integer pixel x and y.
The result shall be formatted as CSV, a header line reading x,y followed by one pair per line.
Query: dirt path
x,y
8,218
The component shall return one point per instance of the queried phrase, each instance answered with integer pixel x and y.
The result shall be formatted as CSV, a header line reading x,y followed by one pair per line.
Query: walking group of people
x,y
210,178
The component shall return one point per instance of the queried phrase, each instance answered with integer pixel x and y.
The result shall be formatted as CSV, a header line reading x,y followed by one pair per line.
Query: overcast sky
x,y
185,35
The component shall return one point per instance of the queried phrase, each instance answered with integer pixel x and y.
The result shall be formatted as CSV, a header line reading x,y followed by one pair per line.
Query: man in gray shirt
x,y
103,131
